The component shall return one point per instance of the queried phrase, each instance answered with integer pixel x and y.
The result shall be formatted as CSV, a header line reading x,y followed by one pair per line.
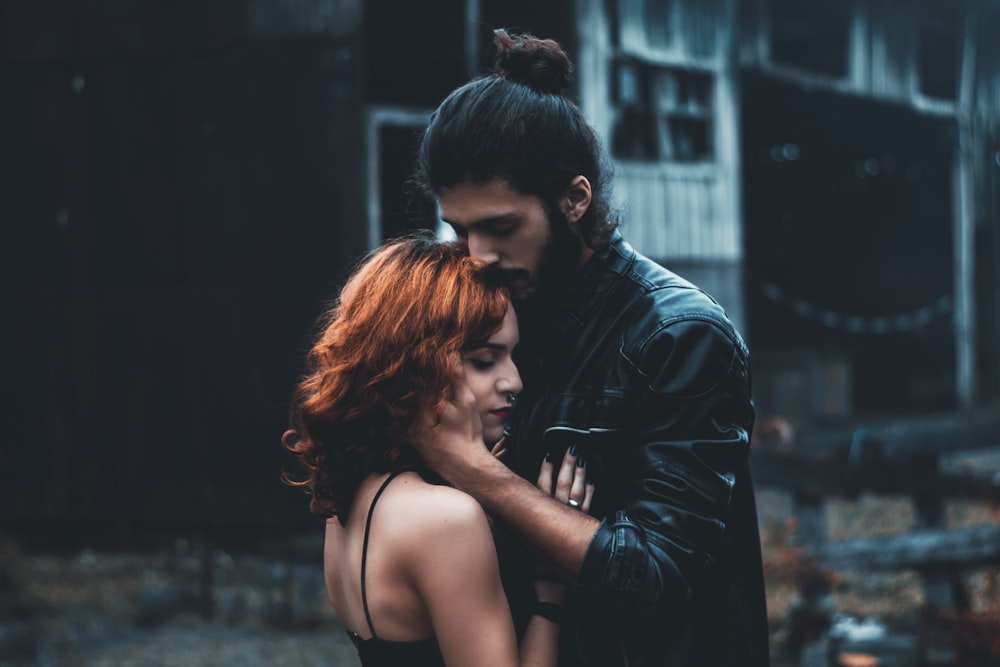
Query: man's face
x,y
503,227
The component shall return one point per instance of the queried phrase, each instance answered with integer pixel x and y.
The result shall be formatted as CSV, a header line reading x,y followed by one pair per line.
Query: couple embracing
x,y
590,504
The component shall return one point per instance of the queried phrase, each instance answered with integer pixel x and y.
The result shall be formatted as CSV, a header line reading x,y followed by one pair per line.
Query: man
x,y
635,369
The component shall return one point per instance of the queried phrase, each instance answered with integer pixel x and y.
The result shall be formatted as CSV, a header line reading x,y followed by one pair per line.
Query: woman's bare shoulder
x,y
429,520
427,505
441,533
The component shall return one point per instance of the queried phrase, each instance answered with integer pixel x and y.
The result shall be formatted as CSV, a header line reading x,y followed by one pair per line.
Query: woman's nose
x,y
510,383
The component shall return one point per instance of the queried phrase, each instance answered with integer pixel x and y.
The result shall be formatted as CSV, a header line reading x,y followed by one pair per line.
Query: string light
x,y
913,320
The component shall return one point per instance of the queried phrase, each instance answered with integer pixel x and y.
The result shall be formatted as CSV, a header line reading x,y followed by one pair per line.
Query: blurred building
x,y
828,170
183,184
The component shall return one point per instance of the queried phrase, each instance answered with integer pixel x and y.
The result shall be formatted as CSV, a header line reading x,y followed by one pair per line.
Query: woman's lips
x,y
502,413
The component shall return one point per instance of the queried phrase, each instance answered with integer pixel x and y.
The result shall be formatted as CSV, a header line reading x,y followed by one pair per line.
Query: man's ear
x,y
576,200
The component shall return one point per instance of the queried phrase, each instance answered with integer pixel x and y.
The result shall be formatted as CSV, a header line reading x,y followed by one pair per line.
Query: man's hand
x,y
451,443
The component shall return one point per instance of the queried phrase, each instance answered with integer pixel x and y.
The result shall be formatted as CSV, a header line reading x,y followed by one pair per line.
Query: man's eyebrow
x,y
484,222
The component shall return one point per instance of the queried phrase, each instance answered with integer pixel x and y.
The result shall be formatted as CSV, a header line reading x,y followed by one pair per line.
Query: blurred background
x,y
183,186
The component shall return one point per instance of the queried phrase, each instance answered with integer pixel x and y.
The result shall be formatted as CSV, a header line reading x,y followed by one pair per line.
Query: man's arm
x,y
454,449
687,451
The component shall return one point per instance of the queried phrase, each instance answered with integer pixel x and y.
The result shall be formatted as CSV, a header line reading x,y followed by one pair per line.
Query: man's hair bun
x,y
540,64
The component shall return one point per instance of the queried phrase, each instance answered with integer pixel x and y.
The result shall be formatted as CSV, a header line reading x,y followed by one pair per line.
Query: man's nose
x,y
481,248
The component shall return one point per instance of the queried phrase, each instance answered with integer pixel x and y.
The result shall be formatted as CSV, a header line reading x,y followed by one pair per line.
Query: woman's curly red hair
x,y
385,356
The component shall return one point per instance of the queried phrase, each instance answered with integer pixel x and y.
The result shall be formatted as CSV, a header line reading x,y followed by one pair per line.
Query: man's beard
x,y
535,293
560,260
557,265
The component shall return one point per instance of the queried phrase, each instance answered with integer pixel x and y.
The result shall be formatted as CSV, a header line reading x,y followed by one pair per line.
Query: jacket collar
x,y
594,283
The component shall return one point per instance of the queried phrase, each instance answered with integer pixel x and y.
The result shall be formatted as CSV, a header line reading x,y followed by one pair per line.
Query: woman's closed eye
x,y
481,364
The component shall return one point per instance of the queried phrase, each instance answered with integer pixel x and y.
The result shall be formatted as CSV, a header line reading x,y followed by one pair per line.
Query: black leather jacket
x,y
646,375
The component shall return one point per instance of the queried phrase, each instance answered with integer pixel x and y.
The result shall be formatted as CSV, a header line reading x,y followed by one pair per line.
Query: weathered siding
x,y
679,213
681,31
986,123
672,210
890,41
882,50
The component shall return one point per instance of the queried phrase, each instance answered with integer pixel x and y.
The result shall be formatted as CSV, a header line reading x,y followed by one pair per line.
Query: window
x,y
662,113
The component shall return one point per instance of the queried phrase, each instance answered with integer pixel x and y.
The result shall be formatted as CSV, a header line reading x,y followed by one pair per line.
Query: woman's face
x,y
493,377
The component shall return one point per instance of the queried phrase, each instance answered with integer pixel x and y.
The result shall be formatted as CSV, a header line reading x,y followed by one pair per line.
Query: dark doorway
x,y
848,209
401,209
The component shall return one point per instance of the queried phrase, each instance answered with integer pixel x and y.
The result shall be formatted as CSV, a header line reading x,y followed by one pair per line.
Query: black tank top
x,y
376,652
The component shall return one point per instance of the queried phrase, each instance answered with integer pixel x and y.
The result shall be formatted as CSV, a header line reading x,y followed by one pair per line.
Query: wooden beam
x,y
964,232
376,117
920,438
918,549
836,476
472,27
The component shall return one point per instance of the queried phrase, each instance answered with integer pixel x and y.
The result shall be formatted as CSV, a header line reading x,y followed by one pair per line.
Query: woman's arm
x,y
540,642
454,569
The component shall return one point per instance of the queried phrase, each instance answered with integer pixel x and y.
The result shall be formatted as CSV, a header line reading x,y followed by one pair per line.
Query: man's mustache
x,y
506,275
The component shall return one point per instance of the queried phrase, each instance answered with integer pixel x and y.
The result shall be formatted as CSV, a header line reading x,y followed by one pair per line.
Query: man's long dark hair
x,y
518,125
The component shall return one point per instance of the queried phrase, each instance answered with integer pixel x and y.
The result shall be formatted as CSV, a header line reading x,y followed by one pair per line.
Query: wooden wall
x,y
178,199
986,192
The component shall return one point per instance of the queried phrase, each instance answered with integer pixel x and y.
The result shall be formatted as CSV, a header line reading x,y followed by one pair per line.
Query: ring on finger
x,y
573,503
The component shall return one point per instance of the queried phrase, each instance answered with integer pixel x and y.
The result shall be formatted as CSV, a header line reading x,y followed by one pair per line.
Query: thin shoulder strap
x,y
364,549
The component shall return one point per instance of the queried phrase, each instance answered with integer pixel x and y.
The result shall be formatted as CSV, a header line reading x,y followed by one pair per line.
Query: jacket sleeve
x,y
674,472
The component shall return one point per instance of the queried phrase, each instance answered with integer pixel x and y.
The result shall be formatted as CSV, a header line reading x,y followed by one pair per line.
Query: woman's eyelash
x,y
481,364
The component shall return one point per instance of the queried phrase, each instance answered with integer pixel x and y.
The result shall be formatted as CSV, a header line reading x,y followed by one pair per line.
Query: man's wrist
x,y
477,475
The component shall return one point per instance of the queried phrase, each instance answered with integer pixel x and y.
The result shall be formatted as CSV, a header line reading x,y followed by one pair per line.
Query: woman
x,y
410,564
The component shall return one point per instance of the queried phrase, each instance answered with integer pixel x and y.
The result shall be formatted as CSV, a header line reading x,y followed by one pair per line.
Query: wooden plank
x,y
977,545
901,458
916,436
979,466
836,476
919,437
964,225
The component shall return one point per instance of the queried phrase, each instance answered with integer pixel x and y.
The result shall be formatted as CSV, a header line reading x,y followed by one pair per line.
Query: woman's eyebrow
x,y
478,345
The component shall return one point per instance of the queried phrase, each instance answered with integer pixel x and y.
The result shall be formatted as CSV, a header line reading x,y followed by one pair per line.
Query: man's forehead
x,y
486,221
468,203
